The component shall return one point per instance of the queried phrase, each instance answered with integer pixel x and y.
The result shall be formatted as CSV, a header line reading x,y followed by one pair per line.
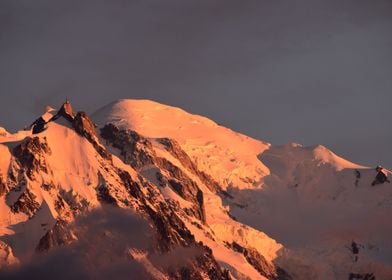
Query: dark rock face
x,y
26,204
260,263
104,195
184,187
190,193
171,232
357,177
47,186
135,149
59,204
133,188
205,262
57,236
175,150
30,155
86,128
13,173
39,125
381,178
77,205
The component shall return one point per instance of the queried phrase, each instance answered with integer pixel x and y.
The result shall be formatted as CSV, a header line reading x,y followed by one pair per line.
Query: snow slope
x,y
72,166
213,147
68,174
308,198
277,207
316,204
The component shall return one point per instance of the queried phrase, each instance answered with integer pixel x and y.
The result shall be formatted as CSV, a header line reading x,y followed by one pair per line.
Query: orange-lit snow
x,y
228,156
306,198
294,193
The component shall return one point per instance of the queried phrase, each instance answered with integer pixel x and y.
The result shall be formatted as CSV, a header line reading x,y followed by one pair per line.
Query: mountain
x,y
150,191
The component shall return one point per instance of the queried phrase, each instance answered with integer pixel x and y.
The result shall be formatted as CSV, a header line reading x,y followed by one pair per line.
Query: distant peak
x,y
321,148
295,145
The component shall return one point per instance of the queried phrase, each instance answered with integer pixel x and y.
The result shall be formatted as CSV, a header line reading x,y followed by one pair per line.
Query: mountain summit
x,y
145,190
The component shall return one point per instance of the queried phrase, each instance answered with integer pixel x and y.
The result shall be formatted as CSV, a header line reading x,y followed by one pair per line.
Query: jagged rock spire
x,y
66,111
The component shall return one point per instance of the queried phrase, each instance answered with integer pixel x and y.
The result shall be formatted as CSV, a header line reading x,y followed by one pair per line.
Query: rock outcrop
x,y
86,128
7,257
175,150
381,177
138,152
134,149
265,268
26,203
58,235
31,155
66,112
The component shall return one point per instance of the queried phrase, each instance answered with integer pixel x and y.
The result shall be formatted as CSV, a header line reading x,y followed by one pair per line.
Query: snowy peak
x,y
214,148
70,169
234,207
271,187
133,113
327,156
284,160
235,160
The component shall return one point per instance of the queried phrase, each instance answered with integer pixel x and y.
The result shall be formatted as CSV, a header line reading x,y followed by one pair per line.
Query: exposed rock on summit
x,y
66,112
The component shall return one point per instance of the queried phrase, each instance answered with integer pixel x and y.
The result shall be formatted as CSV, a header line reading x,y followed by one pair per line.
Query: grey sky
x,y
308,71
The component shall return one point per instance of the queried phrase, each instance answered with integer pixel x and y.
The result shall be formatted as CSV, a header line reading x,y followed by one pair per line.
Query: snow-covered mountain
x,y
150,191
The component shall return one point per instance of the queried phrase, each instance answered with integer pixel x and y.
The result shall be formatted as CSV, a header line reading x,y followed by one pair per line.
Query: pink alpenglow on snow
x,y
146,190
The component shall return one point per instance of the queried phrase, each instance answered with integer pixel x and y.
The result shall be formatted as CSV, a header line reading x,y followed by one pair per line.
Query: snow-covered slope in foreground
x,y
308,198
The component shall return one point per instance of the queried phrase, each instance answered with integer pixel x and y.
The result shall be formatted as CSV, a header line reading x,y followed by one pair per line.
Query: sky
x,y
306,71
